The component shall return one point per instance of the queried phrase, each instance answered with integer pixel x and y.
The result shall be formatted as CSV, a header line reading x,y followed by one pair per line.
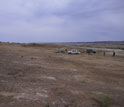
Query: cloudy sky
x,y
61,20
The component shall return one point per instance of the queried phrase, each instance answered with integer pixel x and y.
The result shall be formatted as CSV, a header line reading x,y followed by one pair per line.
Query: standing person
x,y
104,53
66,50
113,53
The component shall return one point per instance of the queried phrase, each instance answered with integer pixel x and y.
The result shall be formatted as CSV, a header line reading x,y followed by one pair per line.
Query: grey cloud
x,y
59,21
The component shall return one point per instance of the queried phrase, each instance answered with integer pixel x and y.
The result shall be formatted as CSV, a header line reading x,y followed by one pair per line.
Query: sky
x,y
61,20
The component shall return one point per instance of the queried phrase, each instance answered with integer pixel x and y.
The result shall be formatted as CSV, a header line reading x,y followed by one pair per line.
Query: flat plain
x,y
37,76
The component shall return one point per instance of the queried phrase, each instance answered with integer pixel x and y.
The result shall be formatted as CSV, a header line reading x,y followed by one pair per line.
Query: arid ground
x,y
37,76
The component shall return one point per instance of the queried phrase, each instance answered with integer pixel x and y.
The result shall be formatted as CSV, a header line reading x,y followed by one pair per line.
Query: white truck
x,y
73,51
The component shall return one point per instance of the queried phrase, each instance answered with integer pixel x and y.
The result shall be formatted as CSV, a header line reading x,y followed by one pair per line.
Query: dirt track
x,y
39,77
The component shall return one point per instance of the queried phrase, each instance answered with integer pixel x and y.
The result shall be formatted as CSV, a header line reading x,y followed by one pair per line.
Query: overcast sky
x,y
61,20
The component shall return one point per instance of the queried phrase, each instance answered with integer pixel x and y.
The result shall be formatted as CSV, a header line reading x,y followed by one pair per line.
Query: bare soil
x,y
39,77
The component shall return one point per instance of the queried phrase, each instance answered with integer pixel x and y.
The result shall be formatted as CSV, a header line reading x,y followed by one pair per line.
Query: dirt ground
x,y
39,77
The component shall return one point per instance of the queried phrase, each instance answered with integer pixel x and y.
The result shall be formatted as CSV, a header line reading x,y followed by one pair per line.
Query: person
x,y
113,53
104,53
66,50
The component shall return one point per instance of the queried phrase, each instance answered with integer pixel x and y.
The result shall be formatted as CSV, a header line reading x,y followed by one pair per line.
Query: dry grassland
x,y
36,76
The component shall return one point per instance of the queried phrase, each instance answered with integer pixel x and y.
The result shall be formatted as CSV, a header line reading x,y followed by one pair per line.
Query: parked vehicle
x,y
90,51
74,51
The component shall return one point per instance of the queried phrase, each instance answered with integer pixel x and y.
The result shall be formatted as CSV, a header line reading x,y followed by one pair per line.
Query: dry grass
x,y
43,76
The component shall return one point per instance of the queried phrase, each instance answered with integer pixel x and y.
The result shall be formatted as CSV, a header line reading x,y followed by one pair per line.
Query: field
x,y
37,76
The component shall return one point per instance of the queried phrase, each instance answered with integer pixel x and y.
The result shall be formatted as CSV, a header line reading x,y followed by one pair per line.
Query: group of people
x,y
112,54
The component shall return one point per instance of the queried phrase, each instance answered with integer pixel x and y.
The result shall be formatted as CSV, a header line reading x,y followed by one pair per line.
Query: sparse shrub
x,y
31,45
103,100
47,105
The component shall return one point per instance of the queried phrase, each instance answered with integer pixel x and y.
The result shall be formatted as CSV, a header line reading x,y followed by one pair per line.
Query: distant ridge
x,y
95,42
68,42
